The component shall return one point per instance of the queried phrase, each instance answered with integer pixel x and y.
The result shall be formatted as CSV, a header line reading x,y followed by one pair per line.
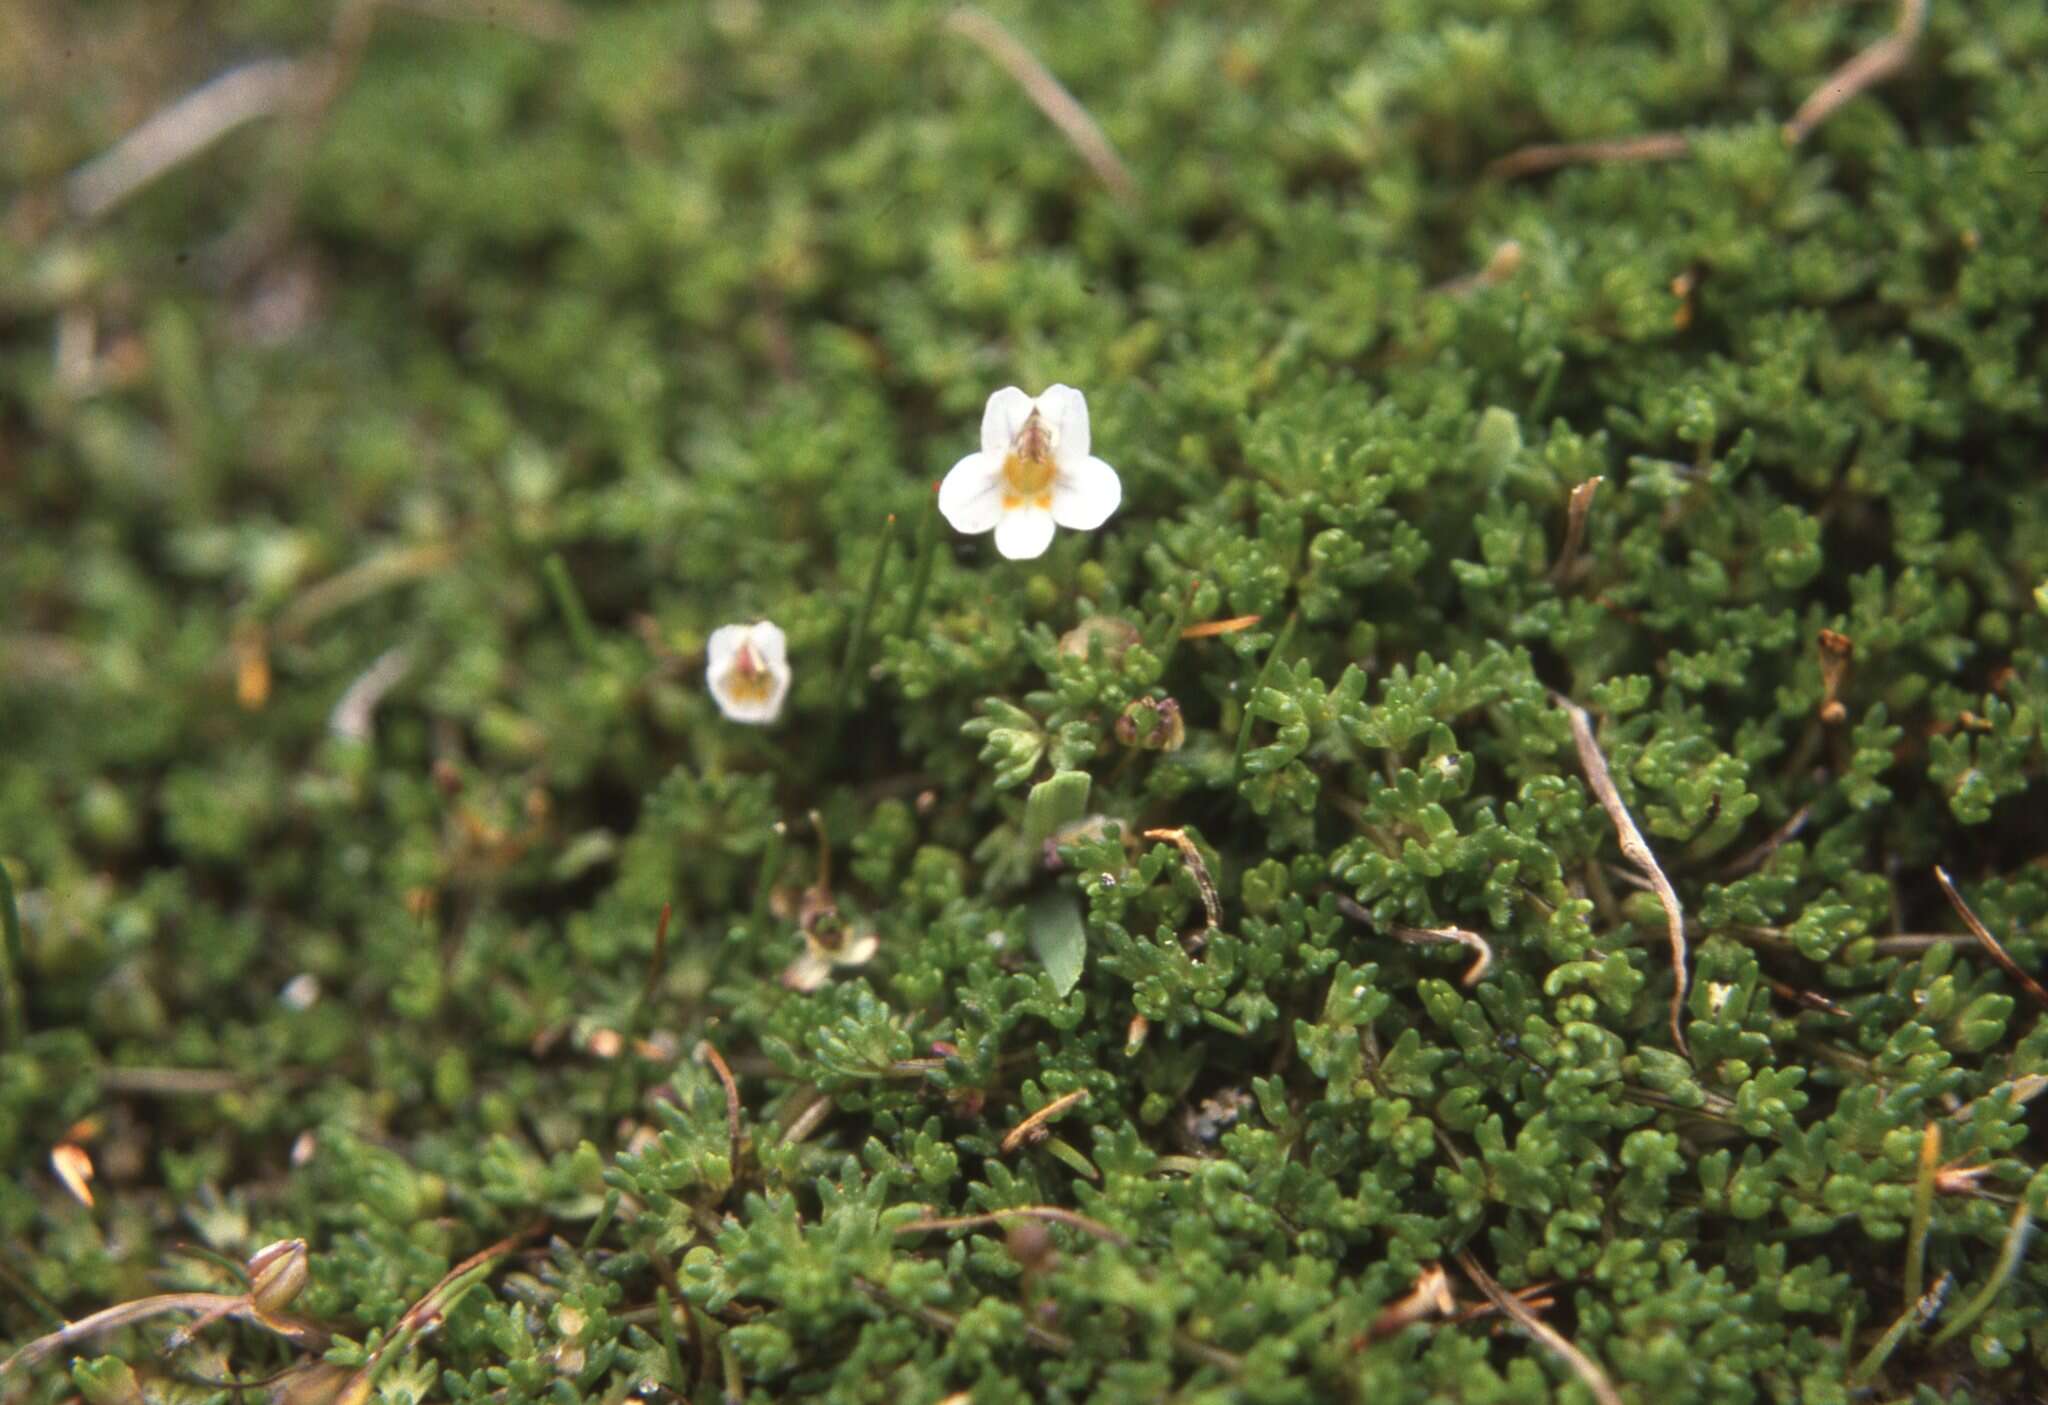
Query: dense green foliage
x,y
693,298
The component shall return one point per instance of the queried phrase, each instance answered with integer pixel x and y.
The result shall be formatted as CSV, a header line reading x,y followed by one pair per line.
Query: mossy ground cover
x,y
374,478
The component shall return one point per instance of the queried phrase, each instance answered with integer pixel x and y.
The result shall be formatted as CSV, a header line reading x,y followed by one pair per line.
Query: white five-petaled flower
x,y
1034,472
748,670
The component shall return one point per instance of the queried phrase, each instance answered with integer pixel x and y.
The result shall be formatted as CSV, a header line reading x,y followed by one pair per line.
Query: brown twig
x,y
1032,1127
1047,94
1549,156
1032,1212
1990,943
1912,943
170,1082
1867,69
432,1307
1583,1366
210,1305
1872,66
732,1097
1575,529
1482,960
1633,847
1197,868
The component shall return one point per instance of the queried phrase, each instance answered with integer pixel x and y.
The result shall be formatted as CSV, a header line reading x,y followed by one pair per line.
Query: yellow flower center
x,y
748,680
1029,469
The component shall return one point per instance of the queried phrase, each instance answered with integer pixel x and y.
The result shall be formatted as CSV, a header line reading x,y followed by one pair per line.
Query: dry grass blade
x,y
211,1306
1990,943
1583,1366
1575,529
1053,1213
1209,629
1032,1127
1549,156
431,1308
357,708
181,131
1875,64
732,1097
1046,92
1633,847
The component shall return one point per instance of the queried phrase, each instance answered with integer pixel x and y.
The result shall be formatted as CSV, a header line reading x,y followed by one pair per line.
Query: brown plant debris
x,y
1990,943
1583,1366
1633,847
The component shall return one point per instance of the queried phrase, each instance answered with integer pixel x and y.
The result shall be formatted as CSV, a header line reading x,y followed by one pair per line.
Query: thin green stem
x,y
1244,728
603,1221
2016,1233
921,573
1885,1345
667,1318
556,572
1540,401
1171,643
12,1006
857,637
1923,1212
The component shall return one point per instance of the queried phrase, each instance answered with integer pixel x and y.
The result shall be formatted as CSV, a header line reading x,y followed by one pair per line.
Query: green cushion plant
x,y
1198,962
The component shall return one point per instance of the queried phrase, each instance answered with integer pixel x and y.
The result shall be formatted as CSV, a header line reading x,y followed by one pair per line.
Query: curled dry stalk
x,y
276,1274
1637,851
1032,1128
1197,869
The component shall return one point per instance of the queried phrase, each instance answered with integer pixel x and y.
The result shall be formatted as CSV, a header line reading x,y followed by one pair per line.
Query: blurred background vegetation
x,y
394,396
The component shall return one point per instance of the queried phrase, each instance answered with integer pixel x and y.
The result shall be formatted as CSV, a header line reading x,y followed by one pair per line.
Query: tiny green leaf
x,y
1053,804
1054,924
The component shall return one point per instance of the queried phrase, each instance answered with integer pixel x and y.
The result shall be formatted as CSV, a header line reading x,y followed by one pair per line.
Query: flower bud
x,y
276,1274
1153,724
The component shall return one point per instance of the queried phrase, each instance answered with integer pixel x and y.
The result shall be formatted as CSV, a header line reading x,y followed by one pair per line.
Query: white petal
x,y
1065,409
1085,493
771,645
1005,414
1024,533
725,642
739,702
806,973
971,495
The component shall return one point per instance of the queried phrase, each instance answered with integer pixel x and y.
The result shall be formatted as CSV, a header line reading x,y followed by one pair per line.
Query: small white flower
x,y
1034,472
748,671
